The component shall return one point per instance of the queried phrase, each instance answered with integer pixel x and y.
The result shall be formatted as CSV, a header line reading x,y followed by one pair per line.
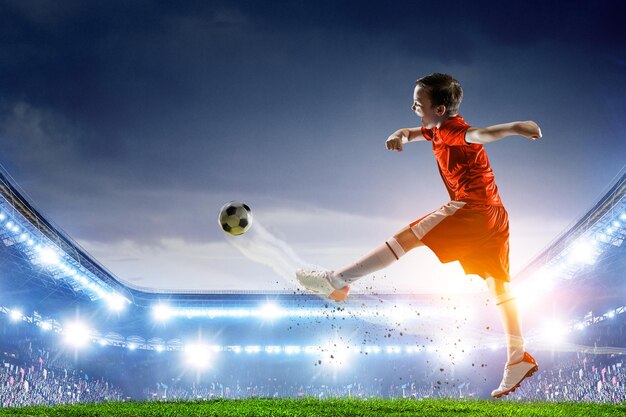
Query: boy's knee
x,y
497,286
407,239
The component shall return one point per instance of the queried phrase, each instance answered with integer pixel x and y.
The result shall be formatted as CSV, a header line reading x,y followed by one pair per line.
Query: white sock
x,y
514,348
379,258
514,343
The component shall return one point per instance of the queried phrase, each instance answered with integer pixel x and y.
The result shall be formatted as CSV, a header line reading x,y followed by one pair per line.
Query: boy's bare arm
x,y
482,135
398,138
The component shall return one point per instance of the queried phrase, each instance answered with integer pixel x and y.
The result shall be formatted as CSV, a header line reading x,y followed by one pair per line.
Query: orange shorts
x,y
475,235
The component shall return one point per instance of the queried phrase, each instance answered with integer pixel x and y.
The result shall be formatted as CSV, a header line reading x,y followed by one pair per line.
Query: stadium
x,y
72,332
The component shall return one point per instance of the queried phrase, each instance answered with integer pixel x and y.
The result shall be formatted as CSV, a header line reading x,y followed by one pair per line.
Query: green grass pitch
x,y
317,408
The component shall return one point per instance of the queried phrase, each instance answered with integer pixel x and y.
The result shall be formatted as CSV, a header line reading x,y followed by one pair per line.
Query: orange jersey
x,y
464,167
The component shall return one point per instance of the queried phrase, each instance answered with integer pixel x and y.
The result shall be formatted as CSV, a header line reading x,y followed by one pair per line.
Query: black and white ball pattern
x,y
235,218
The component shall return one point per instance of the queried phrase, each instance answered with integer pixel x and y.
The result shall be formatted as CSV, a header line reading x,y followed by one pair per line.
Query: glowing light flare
x,y
48,256
582,252
252,349
554,331
162,312
292,350
271,311
337,354
198,355
273,349
116,302
15,315
76,334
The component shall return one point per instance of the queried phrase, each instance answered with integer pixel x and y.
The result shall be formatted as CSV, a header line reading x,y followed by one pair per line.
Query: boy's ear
x,y
441,110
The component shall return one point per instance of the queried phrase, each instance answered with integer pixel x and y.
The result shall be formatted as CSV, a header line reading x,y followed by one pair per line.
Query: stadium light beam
x,y
116,302
15,315
48,256
271,311
162,312
76,334
198,356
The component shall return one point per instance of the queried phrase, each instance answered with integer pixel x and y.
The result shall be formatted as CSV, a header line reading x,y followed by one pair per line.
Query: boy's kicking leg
x,y
336,284
519,364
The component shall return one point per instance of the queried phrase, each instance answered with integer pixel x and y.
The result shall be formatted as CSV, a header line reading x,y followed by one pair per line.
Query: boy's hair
x,y
443,89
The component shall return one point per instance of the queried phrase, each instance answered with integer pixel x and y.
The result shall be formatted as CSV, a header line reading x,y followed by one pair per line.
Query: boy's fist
x,y
394,143
529,129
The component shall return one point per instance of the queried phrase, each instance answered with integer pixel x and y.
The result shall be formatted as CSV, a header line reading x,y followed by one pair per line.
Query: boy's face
x,y
431,116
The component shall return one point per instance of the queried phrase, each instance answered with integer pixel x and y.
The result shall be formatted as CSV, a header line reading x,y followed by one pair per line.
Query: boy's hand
x,y
528,129
395,143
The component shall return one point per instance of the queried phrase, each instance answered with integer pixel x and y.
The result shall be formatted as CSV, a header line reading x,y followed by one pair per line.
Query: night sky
x,y
129,124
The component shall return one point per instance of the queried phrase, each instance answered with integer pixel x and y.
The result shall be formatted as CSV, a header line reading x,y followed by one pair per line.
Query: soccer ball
x,y
235,218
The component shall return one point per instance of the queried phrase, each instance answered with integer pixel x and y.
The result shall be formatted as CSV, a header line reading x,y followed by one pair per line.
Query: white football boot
x,y
514,374
320,282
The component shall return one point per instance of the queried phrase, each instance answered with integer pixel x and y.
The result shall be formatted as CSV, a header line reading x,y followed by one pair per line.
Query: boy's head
x,y
437,97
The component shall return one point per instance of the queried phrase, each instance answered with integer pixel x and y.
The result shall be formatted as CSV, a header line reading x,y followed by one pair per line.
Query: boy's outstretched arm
x,y
398,138
528,129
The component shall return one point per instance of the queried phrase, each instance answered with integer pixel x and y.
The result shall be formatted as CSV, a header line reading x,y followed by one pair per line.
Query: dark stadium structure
x,y
268,343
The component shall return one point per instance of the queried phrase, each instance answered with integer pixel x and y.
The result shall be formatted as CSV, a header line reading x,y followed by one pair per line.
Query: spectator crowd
x,y
29,377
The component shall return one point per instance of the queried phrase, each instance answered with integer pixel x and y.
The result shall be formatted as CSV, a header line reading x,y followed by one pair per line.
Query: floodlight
x,y
131,346
48,256
554,331
9,225
159,348
270,311
45,325
390,349
616,224
16,315
2,217
198,355
290,350
610,314
252,349
116,302
76,334
582,252
103,342
621,217
162,312
272,349
338,353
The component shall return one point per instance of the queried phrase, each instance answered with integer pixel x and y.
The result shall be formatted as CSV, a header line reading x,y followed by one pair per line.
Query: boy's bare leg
x,y
381,257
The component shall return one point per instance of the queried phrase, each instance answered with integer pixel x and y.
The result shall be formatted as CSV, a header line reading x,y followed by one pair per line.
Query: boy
x,y
473,228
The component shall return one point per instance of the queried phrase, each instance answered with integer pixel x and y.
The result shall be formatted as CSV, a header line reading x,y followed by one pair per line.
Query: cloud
x,y
37,136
